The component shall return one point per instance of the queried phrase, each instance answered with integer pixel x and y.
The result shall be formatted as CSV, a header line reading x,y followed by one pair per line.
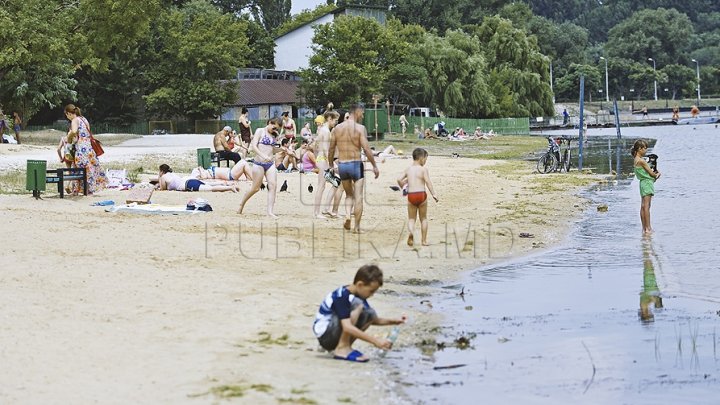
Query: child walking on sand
x,y
647,177
345,315
417,178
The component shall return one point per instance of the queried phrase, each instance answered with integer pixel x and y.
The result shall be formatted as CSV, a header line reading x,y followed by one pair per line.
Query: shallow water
x,y
608,317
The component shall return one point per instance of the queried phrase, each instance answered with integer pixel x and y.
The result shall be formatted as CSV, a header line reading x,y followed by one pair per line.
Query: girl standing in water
x,y
647,178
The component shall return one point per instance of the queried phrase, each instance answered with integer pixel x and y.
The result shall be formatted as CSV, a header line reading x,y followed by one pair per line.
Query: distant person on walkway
x,y
676,114
403,124
694,111
222,147
84,152
647,178
566,117
17,125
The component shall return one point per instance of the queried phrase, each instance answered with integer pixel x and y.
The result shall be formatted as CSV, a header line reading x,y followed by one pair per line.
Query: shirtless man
x,y
349,138
221,145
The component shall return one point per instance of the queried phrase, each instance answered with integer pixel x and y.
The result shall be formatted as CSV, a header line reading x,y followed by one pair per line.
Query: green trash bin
x,y
203,158
35,177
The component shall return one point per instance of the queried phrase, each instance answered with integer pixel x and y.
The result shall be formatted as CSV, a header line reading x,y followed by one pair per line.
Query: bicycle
x,y
552,161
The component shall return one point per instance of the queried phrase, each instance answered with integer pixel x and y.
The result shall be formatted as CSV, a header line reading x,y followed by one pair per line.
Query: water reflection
x,y
650,294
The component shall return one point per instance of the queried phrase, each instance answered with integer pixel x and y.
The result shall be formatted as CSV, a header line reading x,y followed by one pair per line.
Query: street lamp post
x,y
655,71
607,93
666,97
697,69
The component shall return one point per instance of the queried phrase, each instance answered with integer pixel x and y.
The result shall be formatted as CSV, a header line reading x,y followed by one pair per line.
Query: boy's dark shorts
x,y
329,340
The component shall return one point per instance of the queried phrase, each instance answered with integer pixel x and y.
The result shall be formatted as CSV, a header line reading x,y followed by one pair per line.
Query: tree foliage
x,y
351,60
194,51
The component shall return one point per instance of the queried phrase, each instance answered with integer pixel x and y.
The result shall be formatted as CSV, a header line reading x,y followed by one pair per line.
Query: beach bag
x,y
96,145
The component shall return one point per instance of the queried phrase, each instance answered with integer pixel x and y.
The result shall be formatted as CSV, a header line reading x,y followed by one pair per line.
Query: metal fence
x,y
374,121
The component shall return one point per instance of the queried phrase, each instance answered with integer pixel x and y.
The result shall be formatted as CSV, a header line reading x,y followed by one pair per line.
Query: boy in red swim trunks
x,y
417,178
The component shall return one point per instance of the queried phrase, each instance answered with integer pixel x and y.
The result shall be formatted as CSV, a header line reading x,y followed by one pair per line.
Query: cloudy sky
x,y
299,5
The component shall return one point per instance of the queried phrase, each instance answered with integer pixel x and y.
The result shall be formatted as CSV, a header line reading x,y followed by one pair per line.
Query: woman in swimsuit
x,y
245,132
288,125
223,173
322,143
263,145
167,180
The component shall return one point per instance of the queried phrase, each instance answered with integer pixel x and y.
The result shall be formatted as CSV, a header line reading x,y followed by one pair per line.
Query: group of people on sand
x,y
5,127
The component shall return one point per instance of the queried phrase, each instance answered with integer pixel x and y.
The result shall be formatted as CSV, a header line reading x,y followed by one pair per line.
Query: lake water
x,y
609,316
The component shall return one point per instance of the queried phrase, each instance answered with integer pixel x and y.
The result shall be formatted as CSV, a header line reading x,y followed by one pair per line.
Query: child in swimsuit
x,y
417,178
647,178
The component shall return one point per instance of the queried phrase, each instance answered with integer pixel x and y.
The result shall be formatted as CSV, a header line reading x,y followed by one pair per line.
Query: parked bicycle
x,y
554,158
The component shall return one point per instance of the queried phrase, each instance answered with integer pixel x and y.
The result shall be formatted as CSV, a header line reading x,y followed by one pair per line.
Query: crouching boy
x,y
345,315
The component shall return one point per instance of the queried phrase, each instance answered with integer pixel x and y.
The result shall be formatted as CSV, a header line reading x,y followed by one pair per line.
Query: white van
x,y
422,112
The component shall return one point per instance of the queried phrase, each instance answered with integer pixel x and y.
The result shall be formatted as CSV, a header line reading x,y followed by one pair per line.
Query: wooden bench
x,y
60,176
217,160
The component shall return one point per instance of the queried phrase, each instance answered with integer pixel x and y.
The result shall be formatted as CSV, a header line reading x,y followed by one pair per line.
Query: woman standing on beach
x,y
17,125
289,125
245,132
84,153
263,145
647,177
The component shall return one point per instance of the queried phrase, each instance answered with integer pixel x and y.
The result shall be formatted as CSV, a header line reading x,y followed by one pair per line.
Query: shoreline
x,y
202,305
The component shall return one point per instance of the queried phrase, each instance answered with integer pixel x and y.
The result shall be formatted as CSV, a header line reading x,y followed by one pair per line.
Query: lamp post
x,y
601,106
632,100
666,97
607,93
551,82
697,69
654,71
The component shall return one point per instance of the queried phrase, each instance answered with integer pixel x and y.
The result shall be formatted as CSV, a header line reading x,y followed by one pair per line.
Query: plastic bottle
x,y
392,337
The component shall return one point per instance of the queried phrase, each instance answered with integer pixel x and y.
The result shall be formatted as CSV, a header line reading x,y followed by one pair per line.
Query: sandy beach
x,y
118,308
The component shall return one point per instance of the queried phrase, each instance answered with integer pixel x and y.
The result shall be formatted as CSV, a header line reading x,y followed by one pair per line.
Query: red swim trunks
x,y
417,198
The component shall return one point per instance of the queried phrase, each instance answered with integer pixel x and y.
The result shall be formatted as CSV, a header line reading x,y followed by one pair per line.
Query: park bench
x,y
217,160
61,175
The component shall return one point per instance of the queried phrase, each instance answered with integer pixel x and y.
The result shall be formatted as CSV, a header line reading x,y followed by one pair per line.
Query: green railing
x,y
504,126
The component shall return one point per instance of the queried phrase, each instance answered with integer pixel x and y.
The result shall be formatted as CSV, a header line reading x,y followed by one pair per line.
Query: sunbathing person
x,y
285,158
242,168
167,180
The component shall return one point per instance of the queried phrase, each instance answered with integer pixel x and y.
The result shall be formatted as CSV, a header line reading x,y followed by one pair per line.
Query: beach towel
x,y
151,209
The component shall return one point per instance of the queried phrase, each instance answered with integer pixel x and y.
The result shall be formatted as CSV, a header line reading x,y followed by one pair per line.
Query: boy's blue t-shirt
x,y
338,302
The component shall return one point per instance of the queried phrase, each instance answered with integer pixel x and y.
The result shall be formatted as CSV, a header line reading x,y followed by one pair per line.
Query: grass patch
x,y
298,391
301,400
267,339
262,387
229,391
500,147
345,400
13,182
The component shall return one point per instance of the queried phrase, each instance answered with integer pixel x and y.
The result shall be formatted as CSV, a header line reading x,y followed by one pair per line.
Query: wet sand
x,y
131,308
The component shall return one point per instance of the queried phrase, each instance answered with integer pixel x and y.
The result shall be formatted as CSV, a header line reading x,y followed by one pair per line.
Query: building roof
x,y
264,91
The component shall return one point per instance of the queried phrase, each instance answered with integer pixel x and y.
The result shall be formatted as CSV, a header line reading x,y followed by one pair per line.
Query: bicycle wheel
x,y
547,163
566,161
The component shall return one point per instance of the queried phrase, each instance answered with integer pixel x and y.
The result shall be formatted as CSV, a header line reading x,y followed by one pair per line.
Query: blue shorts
x,y
193,185
354,170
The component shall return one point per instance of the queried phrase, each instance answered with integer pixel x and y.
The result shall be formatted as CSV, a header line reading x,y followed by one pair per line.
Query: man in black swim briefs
x,y
349,138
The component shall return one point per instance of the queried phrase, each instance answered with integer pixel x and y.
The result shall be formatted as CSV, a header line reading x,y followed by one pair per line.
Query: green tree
x,y
568,86
520,74
350,62
659,34
195,50
681,81
271,13
456,70
35,65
